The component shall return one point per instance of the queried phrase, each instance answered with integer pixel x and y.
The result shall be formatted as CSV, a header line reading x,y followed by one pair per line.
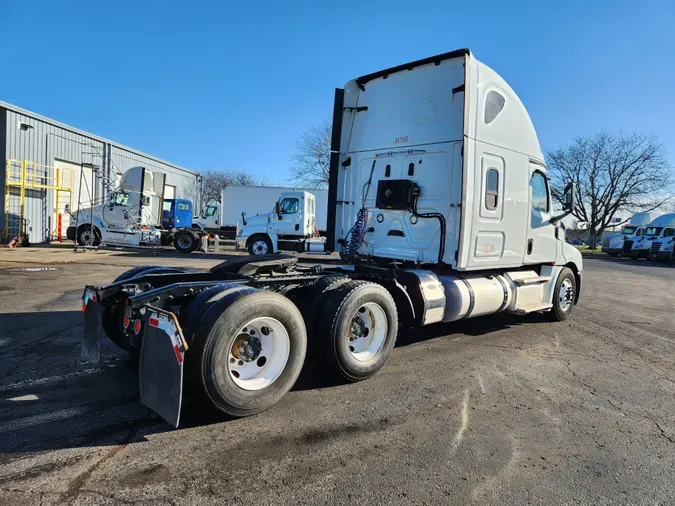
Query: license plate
x,y
161,365
91,338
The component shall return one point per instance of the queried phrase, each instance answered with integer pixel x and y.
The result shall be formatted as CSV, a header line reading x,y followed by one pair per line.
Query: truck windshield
x,y
289,206
119,199
166,206
629,230
653,230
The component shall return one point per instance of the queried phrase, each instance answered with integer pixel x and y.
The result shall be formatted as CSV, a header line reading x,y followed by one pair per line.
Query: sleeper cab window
x,y
494,103
539,189
491,189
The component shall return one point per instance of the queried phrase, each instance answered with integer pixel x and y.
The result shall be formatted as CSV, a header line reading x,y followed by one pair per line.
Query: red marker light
x,y
126,321
137,326
154,322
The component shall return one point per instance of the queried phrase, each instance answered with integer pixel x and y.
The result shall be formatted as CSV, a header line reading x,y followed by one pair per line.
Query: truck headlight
x,y
240,233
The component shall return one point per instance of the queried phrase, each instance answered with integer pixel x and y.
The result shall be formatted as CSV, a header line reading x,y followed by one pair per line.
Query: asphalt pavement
x,y
497,410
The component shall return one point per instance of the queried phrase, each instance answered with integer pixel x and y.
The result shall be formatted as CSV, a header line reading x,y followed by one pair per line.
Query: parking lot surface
x,y
501,410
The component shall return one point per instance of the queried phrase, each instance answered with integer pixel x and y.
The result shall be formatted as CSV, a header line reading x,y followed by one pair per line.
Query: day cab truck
x,y
655,234
135,213
439,204
613,245
291,226
225,217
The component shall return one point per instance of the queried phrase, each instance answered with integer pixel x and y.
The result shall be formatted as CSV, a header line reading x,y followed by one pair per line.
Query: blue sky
x,y
229,85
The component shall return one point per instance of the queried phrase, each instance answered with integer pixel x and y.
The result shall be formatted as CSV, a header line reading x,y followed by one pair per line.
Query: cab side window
x,y
211,210
492,189
539,190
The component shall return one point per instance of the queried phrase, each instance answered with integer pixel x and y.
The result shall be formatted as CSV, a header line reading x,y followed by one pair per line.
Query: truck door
x,y
541,246
288,221
115,209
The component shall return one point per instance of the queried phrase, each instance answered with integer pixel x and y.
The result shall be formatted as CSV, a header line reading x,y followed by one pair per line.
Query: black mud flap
x,y
91,338
161,365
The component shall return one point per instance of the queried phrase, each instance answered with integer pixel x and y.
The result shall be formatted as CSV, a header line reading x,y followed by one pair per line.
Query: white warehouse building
x,y
45,163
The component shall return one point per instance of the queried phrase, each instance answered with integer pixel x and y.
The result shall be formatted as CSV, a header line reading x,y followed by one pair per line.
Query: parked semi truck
x,y
223,218
440,206
291,226
130,215
613,245
135,213
649,244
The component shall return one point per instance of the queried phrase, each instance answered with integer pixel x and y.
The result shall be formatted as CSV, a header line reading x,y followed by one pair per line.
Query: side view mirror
x,y
67,208
569,198
243,218
568,204
277,209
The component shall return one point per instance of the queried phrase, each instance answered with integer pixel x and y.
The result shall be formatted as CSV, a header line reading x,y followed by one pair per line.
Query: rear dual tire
x,y
248,351
357,327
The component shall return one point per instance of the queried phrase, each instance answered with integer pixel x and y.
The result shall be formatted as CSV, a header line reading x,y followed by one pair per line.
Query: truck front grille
x,y
656,247
627,246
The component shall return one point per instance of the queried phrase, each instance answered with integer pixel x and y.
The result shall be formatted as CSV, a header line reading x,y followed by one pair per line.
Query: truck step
x,y
533,308
532,281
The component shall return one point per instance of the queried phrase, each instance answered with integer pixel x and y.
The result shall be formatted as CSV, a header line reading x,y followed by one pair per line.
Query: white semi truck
x,y
291,226
613,245
224,217
130,214
649,244
440,206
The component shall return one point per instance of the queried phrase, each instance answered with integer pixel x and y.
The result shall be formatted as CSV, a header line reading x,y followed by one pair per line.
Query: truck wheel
x,y
613,254
249,351
86,236
315,297
185,241
112,318
563,296
359,323
260,245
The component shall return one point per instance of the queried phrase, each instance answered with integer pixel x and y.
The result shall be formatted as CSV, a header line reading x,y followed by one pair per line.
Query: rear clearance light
x,y
126,321
154,322
137,327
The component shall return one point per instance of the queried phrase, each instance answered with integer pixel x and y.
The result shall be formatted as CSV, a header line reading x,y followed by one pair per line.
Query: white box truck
x,y
438,202
253,200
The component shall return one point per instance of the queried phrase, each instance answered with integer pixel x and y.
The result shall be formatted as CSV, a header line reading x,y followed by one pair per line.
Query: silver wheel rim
x,y
566,295
367,331
259,247
259,353
87,238
184,242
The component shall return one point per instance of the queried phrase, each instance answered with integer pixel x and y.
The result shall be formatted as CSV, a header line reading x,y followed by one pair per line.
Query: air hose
x,y
415,195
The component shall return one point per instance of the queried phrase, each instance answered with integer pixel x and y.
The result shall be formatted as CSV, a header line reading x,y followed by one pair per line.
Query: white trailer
x,y
223,218
441,209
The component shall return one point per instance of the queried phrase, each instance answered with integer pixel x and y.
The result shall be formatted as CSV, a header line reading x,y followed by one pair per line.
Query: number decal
x,y
401,140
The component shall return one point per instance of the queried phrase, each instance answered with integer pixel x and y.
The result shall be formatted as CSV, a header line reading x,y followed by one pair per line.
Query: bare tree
x,y
311,162
210,188
624,172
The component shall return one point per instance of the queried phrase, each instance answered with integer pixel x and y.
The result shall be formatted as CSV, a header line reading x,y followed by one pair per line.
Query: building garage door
x,y
86,197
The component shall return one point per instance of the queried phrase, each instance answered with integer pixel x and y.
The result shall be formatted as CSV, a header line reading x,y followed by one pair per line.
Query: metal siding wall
x,y
3,158
42,144
183,180
46,142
